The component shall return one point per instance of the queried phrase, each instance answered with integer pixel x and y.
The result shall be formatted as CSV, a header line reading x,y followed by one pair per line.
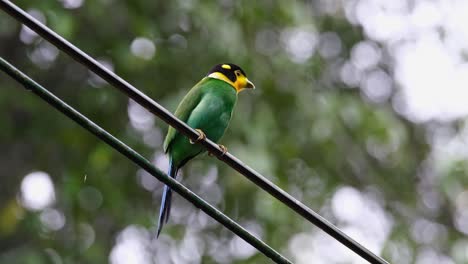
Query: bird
x,y
207,108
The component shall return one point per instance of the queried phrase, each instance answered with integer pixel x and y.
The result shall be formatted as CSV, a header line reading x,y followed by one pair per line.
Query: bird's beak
x,y
249,84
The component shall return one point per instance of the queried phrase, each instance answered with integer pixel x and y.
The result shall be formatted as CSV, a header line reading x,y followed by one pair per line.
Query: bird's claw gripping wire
x,y
201,136
223,149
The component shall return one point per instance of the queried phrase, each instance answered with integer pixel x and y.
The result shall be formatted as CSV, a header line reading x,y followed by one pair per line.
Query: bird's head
x,y
231,74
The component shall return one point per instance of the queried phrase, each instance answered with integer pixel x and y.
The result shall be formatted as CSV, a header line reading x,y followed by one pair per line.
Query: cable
x,y
183,128
134,156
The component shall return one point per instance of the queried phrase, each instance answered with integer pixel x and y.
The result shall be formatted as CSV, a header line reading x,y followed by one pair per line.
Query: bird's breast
x,y
215,104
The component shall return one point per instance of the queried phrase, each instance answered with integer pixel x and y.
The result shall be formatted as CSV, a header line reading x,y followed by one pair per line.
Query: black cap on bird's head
x,y
231,74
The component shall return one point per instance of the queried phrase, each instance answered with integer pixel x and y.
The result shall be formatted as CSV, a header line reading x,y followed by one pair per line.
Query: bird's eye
x,y
237,73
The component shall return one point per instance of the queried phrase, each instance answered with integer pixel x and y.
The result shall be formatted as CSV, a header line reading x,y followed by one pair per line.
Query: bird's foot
x,y
201,136
223,149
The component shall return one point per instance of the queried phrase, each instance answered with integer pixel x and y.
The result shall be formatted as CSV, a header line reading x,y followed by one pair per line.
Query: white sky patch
x,y
429,65
241,249
359,216
37,191
132,247
449,145
382,20
435,81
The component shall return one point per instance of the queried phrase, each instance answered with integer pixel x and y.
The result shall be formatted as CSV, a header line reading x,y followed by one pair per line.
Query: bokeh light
x,y
97,81
143,48
428,65
131,247
300,43
44,55
72,4
90,198
52,219
28,36
140,118
37,191
330,45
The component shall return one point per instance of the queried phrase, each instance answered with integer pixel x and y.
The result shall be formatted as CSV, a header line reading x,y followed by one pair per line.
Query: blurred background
x,y
360,112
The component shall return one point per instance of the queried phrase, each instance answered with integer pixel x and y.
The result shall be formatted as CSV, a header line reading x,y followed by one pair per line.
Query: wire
x,y
183,128
134,156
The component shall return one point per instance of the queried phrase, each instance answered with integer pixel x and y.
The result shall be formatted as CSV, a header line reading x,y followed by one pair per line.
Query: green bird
x,y
207,108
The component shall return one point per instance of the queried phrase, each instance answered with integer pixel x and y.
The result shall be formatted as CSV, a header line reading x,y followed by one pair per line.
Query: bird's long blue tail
x,y
166,200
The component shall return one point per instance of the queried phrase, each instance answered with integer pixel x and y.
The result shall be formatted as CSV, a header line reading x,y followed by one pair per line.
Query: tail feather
x,y
165,209
168,204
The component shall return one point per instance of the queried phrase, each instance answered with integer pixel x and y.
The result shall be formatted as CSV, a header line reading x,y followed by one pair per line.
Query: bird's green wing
x,y
183,111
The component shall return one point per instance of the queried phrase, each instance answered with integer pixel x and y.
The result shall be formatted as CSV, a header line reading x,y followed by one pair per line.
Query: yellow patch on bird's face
x,y
226,66
241,81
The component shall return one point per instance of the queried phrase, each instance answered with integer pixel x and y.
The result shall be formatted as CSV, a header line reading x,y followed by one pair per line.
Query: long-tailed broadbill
x,y
207,108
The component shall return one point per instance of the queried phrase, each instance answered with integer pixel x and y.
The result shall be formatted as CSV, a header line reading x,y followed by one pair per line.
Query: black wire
x,y
183,128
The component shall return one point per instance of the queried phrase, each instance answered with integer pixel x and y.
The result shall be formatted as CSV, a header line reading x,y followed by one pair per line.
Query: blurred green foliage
x,y
302,127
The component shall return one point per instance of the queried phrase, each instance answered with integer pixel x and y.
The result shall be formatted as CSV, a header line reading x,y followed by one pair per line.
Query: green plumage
x,y
207,106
